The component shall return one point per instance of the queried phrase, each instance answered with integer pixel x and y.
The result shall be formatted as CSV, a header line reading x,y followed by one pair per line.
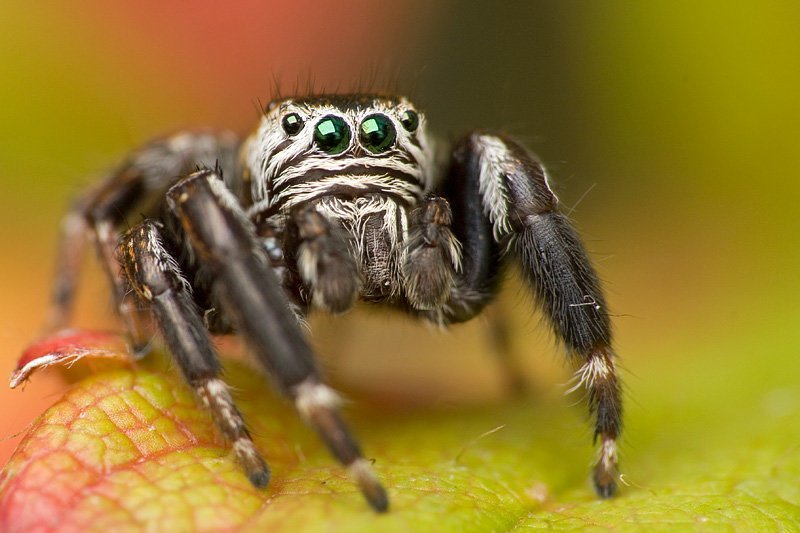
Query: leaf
x,y
130,448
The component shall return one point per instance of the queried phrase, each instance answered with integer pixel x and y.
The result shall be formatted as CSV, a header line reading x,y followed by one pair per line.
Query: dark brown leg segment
x,y
568,290
252,298
154,275
72,242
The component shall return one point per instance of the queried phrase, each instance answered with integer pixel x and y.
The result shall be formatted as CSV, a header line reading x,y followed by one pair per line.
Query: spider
x,y
334,198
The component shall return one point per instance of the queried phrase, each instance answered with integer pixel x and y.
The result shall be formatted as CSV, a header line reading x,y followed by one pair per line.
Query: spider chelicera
x,y
333,199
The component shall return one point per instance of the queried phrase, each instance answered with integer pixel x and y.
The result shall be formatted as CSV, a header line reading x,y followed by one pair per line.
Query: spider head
x,y
339,144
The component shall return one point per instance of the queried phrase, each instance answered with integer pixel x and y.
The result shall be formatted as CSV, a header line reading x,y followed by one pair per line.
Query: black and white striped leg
x,y
252,298
325,261
556,266
154,275
432,255
525,220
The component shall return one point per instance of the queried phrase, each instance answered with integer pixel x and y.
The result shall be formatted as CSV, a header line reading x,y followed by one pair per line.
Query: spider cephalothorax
x,y
363,162
332,199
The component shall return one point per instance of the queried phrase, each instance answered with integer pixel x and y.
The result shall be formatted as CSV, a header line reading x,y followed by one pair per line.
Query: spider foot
x,y
254,465
362,473
598,375
318,405
215,395
605,471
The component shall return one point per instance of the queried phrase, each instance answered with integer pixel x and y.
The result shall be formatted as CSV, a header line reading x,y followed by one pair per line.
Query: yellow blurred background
x,y
672,129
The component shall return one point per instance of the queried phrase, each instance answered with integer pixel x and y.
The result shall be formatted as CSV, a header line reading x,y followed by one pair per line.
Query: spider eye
x,y
409,120
377,133
332,134
292,123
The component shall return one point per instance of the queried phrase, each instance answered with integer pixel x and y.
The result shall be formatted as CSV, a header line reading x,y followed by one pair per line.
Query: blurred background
x,y
671,130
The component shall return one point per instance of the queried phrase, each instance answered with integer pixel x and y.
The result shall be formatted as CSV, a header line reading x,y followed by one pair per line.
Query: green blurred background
x,y
671,127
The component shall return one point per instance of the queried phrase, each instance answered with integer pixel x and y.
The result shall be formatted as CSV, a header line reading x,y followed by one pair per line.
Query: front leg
x,y
252,298
517,201
156,279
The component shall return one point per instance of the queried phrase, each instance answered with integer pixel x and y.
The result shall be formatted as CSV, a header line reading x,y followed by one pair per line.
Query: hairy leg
x,y
251,296
524,216
155,277
144,177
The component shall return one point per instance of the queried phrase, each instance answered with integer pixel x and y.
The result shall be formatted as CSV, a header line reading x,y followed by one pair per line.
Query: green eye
x,y
292,123
377,133
332,135
409,120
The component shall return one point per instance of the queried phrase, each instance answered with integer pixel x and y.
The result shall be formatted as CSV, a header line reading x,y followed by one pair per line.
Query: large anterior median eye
x,y
332,134
377,133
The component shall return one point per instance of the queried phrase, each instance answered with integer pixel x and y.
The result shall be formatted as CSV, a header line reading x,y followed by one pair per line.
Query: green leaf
x,y
130,448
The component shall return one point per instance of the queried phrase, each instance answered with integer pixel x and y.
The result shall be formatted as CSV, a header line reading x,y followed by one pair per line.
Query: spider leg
x,y
474,282
99,213
71,244
517,200
270,232
155,276
325,261
252,298
432,255
500,338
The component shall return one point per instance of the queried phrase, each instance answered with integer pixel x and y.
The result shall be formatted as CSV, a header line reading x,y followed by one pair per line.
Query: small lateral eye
x,y
292,123
332,134
409,120
377,133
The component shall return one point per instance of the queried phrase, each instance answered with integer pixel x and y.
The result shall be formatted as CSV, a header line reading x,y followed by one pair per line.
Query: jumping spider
x,y
332,199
